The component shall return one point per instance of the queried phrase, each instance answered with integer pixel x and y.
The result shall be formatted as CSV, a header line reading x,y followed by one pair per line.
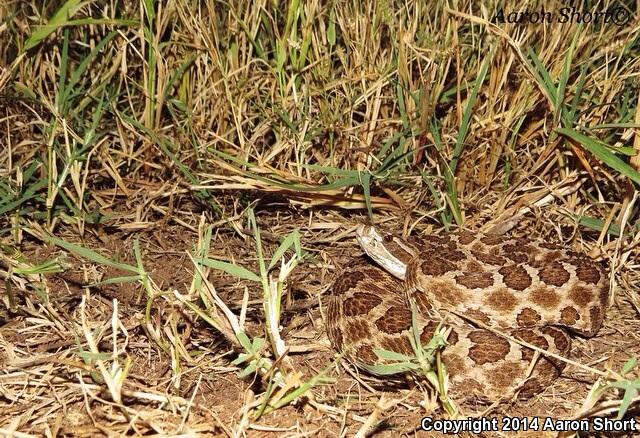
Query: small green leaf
x,y
230,268
244,341
543,78
258,343
397,368
391,355
629,394
250,369
242,357
284,246
89,357
331,30
629,365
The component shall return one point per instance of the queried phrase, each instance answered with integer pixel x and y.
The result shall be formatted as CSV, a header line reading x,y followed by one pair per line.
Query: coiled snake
x,y
531,291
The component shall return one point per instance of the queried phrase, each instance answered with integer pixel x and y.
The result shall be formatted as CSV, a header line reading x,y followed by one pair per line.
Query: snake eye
x,y
388,238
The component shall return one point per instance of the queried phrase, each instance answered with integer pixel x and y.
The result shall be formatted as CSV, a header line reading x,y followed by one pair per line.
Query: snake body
x,y
481,286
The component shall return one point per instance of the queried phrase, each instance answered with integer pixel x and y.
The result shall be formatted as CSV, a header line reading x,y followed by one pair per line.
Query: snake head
x,y
389,251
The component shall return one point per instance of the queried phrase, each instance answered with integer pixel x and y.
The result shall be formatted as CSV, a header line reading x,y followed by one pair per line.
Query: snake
x,y
501,300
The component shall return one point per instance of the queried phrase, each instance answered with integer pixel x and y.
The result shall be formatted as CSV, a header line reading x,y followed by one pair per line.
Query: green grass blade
x,y
392,355
615,125
91,255
629,365
64,63
564,77
60,18
11,205
288,241
230,268
542,76
365,182
573,110
82,67
331,170
597,224
602,153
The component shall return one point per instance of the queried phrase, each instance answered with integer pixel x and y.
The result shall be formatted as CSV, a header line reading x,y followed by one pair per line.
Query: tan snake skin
x,y
526,289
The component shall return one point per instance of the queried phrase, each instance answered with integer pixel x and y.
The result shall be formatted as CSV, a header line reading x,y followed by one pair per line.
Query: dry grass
x,y
139,139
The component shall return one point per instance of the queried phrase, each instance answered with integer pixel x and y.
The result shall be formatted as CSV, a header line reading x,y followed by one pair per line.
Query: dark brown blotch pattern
x,y
366,354
561,340
515,277
436,266
603,295
478,315
492,240
531,387
569,316
378,289
333,331
398,344
450,253
488,258
553,256
346,281
515,248
501,300
436,240
422,303
465,237
453,337
427,331
487,348
550,246
528,318
379,275
581,295
357,329
554,274
394,320
545,297
517,257
595,313
587,271
533,338
360,304
474,280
